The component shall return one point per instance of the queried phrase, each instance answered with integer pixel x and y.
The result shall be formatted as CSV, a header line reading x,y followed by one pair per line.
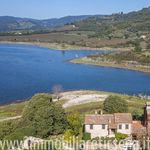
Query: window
x,y
103,126
91,127
127,126
120,126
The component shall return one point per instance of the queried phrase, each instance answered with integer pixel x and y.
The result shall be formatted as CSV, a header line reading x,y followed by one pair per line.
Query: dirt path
x,y
10,118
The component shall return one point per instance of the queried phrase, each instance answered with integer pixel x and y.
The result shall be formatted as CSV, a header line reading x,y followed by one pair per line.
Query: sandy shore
x,y
56,46
73,98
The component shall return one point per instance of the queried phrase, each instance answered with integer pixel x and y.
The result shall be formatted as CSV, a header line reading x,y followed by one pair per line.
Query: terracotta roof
x,y
123,118
137,124
98,119
111,119
138,128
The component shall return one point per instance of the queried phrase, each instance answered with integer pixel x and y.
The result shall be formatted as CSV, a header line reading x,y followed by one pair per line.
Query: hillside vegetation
x,y
130,25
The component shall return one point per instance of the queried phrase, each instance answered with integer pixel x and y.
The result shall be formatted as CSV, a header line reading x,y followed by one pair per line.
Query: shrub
x,y
120,136
68,135
86,136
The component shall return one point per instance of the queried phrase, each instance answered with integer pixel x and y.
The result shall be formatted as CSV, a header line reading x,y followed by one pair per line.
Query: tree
x,y
137,115
75,123
57,89
45,116
115,104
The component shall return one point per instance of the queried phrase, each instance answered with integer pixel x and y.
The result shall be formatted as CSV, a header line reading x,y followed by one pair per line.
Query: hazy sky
x,y
41,9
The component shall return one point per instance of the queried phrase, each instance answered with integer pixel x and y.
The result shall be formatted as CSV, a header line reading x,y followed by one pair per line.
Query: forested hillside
x,y
119,25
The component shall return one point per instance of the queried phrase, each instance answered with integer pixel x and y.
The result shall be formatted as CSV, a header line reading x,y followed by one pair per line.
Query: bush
x,y
68,135
120,136
115,104
86,136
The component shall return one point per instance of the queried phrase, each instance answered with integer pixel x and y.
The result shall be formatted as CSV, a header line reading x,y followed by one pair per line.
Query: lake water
x,y
26,70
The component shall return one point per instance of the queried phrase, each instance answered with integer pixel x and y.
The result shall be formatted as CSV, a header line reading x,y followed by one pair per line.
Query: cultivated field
x,y
72,39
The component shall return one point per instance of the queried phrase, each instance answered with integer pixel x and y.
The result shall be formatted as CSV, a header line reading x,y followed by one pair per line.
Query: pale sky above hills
x,y
42,9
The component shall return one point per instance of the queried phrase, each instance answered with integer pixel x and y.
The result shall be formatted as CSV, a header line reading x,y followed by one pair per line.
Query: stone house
x,y
108,124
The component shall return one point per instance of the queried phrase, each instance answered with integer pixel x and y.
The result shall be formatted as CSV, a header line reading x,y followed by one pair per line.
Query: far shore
x,y
62,46
140,68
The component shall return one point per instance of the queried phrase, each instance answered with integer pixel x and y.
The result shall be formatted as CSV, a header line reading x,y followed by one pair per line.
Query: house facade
x,y
108,124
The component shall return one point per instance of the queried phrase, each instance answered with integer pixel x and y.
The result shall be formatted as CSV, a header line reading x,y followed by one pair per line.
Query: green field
x,y
12,110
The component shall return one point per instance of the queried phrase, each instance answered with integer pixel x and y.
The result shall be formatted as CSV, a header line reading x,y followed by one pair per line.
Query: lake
x,y
26,70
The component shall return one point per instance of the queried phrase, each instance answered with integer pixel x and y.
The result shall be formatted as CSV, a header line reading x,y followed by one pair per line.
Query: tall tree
x,y
45,116
115,104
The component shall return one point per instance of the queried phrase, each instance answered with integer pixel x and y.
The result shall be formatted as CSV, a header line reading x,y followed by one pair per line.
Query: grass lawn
x,y
12,110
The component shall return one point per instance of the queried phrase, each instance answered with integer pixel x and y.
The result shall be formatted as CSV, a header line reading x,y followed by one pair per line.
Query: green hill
x,y
9,23
131,25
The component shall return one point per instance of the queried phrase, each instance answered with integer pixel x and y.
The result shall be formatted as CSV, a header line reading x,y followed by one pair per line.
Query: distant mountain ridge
x,y
116,25
9,23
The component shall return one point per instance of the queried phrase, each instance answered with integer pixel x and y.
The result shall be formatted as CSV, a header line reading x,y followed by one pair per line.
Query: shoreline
x,y
70,100
15,102
111,65
56,46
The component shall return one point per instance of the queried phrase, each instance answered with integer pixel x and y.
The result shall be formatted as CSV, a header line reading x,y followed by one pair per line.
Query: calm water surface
x,y
26,70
